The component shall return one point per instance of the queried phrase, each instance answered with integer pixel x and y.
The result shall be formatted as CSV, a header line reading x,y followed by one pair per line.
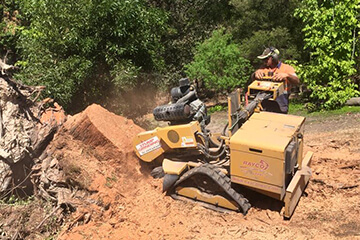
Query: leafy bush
x,y
218,63
82,50
278,37
217,108
8,34
330,34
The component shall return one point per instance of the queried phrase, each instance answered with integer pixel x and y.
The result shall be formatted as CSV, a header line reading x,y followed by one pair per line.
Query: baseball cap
x,y
268,52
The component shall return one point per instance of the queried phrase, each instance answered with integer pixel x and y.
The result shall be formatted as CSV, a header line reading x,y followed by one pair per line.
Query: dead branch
x,y
17,186
351,166
1,124
4,66
46,217
349,186
262,221
17,233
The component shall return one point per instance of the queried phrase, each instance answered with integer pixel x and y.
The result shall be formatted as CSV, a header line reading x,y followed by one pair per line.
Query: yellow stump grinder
x,y
259,150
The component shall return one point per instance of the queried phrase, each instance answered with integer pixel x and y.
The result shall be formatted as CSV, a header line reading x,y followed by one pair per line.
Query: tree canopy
x,y
331,34
218,63
95,51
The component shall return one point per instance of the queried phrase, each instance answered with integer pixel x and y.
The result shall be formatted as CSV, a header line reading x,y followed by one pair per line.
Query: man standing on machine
x,y
278,71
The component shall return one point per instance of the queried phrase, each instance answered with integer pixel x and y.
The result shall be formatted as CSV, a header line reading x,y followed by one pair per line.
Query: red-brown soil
x,y
138,209
127,203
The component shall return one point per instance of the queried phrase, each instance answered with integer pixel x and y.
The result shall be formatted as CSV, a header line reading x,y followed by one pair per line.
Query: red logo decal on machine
x,y
260,165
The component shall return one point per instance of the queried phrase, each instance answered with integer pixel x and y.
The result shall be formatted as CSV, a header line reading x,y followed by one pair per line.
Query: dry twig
x,y
49,215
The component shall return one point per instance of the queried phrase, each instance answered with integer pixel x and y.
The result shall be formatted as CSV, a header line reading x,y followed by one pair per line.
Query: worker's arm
x,y
292,78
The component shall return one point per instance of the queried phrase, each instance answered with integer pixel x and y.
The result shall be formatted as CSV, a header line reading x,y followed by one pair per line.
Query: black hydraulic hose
x,y
221,162
224,129
214,143
249,110
206,146
206,133
207,154
240,116
220,146
205,138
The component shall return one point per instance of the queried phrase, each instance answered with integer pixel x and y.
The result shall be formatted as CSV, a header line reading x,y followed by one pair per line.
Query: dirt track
x,y
137,209
124,202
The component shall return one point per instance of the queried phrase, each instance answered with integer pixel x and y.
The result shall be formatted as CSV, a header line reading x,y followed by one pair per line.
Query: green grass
x,y
110,181
299,109
217,108
15,201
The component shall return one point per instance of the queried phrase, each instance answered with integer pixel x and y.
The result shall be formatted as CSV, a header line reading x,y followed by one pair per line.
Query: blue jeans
x,y
283,101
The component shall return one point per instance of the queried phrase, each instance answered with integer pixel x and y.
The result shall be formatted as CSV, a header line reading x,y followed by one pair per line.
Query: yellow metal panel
x,y
268,86
185,132
300,153
261,169
297,186
262,142
268,146
151,144
257,151
265,126
277,196
238,91
229,116
282,118
257,185
173,167
197,195
148,146
269,133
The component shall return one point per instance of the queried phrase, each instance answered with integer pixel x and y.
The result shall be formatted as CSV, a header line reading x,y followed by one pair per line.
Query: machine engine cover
x,y
264,150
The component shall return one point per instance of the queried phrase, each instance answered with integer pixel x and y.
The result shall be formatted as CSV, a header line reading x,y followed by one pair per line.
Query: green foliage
x,y
15,201
253,15
217,108
330,34
95,51
300,109
278,37
258,24
125,74
297,109
82,50
190,22
218,63
8,25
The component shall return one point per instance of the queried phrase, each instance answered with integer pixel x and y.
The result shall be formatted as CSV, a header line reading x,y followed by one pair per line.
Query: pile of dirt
x,y
89,167
84,175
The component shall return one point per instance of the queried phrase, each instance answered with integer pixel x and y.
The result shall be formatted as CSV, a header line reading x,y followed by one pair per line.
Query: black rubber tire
x,y
158,172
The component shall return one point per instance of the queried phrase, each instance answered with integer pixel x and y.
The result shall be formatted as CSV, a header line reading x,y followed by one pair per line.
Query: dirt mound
x,y
89,166
100,128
